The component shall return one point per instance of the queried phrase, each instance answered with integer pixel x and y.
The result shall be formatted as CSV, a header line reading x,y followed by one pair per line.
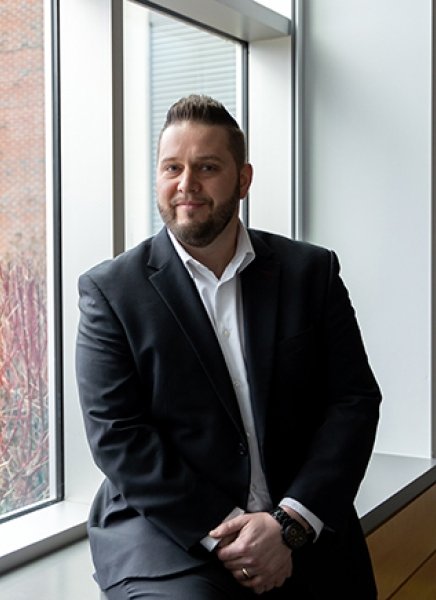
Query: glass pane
x,y
166,59
24,415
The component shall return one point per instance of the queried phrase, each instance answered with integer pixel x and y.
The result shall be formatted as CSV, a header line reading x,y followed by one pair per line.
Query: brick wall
x,y
22,130
24,430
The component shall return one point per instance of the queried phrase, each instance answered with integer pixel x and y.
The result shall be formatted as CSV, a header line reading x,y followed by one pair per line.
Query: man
x,y
226,394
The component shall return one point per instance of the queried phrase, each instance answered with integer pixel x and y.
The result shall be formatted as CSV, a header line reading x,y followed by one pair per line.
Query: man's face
x,y
198,183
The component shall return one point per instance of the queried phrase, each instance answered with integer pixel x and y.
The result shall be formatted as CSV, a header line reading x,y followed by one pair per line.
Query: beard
x,y
203,233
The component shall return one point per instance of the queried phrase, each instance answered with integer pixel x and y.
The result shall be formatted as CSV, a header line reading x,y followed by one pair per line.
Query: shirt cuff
x,y
211,543
316,524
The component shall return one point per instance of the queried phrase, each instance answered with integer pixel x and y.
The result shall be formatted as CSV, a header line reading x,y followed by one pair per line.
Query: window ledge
x,y
243,19
40,532
391,482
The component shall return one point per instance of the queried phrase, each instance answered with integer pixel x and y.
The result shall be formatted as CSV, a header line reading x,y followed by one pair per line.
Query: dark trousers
x,y
193,585
210,582
321,570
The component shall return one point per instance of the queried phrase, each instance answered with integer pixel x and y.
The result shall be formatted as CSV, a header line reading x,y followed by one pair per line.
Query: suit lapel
x,y
260,283
176,288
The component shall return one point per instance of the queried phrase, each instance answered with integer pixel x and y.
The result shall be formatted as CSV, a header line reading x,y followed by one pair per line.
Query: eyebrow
x,y
213,157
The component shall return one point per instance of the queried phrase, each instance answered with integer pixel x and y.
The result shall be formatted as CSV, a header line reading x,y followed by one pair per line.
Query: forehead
x,y
190,138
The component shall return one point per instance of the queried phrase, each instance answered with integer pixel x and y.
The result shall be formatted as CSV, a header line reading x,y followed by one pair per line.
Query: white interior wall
x,y
86,167
270,134
137,154
284,7
367,188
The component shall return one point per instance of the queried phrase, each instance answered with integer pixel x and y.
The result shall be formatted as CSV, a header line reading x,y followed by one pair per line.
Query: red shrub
x,y
24,426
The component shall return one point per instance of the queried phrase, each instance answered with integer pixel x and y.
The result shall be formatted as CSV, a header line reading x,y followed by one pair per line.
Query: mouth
x,y
189,203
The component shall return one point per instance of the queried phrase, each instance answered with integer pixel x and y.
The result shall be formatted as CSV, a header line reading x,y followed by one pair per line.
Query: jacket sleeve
x,y
328,478
126,444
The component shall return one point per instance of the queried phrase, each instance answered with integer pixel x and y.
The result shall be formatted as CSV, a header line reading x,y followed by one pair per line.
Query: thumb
x,y
229,527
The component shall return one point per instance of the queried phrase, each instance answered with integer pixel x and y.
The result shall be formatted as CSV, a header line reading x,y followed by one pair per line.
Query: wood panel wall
x,y
403,551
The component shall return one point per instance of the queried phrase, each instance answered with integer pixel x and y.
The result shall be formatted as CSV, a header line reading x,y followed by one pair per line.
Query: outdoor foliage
x,y
24,474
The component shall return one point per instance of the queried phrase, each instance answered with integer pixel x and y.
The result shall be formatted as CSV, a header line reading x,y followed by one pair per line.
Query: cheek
x,y
165,189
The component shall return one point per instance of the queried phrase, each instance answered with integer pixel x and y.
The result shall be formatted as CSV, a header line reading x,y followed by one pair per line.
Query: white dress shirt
x,y
223,302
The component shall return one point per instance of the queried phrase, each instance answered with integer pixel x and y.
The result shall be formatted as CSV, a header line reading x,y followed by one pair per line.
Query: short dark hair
x,y
206,110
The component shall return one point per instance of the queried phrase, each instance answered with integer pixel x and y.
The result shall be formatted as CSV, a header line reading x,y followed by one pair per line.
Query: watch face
x,y
295,535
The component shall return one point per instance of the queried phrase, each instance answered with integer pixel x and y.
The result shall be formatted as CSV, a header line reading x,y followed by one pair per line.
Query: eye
x,y
208,168
170,168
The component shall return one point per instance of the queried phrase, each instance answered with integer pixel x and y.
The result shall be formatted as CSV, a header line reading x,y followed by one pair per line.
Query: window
x,y
165,59
27,436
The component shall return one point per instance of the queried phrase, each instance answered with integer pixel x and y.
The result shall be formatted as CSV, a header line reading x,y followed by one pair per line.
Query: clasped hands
x,y
251,547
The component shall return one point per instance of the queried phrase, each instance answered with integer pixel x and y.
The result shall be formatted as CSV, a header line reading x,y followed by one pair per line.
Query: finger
x,y
237,565
249,583
227,540
249,577
231,553
261,590
259,586
250,580
255,585
243,574
229,527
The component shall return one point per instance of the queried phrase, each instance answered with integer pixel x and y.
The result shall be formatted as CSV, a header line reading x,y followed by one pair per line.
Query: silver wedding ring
x,y
245,573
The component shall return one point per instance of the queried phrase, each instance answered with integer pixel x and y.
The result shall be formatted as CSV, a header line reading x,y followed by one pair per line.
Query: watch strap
x,y
289,525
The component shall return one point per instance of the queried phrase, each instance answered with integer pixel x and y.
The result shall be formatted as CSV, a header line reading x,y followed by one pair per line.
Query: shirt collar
x,y
243,256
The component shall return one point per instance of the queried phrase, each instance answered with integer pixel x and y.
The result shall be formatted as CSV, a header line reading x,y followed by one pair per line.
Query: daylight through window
x,y
24,398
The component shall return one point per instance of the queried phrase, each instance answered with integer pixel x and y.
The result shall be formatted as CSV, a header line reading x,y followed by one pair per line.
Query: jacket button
x,y
242,448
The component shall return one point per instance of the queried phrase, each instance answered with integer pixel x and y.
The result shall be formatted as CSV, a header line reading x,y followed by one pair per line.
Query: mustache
x,y
191,199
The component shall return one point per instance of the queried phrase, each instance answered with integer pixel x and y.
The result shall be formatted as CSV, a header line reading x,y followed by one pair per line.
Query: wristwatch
x,y
294,534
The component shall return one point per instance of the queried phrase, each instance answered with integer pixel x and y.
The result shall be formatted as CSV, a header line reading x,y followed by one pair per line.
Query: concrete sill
x,y
40,532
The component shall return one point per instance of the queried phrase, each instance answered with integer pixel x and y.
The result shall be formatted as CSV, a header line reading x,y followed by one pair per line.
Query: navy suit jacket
x,y
162,418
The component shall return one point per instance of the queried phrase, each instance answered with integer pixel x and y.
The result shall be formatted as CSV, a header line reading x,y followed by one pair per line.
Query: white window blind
x,y
187,60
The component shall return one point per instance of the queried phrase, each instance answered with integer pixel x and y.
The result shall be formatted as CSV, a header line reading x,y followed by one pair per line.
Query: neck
x,y
217,255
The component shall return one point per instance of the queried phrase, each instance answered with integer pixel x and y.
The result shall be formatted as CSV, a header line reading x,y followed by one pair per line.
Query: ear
x,y
245,177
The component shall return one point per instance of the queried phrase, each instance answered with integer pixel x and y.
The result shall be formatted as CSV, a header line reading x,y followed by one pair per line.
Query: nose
x,y
188,183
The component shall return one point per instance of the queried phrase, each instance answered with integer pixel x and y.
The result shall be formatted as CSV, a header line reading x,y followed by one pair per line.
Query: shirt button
x,y
242,449
226,333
